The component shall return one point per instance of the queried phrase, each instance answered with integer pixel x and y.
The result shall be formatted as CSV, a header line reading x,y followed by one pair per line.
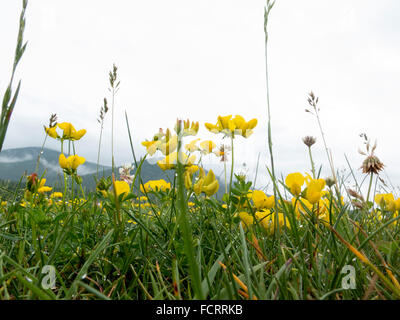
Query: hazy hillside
x,y
15,163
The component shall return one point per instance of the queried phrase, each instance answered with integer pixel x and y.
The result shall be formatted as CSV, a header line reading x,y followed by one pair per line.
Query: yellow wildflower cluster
x,y
155,185
387,204
206,147
233,126
267,219
207,184
69,132
70,164
261,205
168,143
312,201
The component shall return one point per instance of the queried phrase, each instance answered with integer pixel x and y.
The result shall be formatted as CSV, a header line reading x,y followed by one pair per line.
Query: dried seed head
x,y
312,100
103,111
361,152
113,76
358,204
330,181
309,141
53,120
355,194
372,164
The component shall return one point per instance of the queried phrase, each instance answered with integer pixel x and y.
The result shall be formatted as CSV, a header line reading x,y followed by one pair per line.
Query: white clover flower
x,y
124,172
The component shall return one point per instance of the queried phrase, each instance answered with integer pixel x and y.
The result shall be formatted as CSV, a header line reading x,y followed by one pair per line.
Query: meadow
x,y
309,238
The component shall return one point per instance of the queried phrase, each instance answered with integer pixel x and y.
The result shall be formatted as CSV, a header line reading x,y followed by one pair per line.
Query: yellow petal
x,y
51,132
211,189
76,135
207,146
67,128
295,181
63,161
76,161
122,187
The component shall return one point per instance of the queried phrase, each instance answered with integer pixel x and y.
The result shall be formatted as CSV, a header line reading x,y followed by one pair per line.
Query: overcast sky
x,y
201,59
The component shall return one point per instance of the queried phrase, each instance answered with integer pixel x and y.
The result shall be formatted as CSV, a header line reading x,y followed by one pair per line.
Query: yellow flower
x,y
51,132
189,129
42,188
230,126
69,132
56,195
188,175
295,181
324,217
301,206
156,185
65,163
266,219
207,146
261,200
168,145
76,135
247,219
386,201
170,161
71,163
396,214
270,222
212,127
122,187
397,204
207,184
192,169
191,147
314,190
242,127
151,146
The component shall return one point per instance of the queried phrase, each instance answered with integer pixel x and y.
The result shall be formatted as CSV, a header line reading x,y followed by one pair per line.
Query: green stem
x,y
231,178
40,153
98,150
184,225
83,193
369,187
226,185
330,160
65,189
312,162
112,131
267,10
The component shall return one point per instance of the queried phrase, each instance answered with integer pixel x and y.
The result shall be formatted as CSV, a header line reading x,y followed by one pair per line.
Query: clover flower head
x,y
124,173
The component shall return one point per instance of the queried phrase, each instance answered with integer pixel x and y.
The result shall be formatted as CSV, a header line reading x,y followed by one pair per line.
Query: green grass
x,y
161,251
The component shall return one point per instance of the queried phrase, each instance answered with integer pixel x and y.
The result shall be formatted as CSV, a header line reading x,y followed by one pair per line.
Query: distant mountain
x,y
16,163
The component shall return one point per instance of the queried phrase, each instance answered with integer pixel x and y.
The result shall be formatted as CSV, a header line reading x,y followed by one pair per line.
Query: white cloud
x,y
50,166
7,159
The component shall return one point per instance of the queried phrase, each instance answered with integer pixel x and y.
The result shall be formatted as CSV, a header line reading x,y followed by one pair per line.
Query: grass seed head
x,y
372,164
330,181
309,141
